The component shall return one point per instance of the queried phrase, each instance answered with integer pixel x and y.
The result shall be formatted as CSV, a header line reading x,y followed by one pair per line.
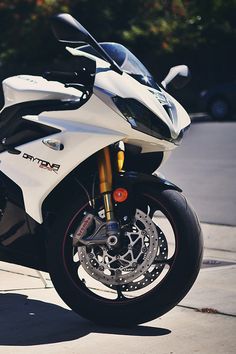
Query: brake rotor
x,y
134,266
154,271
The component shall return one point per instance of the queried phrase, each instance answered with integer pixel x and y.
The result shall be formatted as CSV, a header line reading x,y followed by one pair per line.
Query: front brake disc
x,y
143,244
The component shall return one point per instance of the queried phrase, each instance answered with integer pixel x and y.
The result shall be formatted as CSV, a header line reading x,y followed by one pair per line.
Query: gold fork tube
x,y
105,179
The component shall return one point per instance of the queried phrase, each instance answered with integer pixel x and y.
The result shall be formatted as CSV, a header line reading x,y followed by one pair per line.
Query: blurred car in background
x,y
220,101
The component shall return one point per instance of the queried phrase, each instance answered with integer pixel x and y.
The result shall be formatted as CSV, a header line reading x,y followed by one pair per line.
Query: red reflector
x,y
120,195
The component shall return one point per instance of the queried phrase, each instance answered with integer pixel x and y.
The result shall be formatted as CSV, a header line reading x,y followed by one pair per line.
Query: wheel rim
x,y
129,287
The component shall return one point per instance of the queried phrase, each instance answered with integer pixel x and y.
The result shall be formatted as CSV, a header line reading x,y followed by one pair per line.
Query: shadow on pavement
x,y
32,322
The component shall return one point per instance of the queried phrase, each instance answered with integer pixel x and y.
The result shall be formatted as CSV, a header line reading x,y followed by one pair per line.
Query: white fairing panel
x,y
98,123
24,88
80,141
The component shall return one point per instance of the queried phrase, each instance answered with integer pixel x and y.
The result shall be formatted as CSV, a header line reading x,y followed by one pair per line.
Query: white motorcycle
x,y
78,196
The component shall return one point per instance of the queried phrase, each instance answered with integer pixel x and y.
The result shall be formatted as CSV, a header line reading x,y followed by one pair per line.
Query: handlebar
x,y
62,76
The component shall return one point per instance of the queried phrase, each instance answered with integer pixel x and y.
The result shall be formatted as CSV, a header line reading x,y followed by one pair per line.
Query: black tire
x,y
183,269
219,108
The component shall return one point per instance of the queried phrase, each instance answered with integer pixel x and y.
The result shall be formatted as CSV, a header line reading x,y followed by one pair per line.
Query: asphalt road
x,y
204,166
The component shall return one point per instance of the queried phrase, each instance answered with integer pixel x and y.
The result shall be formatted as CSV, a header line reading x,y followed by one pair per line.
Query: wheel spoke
x,y
120,296
151,211
169,261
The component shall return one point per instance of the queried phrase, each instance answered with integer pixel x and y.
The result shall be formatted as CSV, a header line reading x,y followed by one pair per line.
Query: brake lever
x,y
79,87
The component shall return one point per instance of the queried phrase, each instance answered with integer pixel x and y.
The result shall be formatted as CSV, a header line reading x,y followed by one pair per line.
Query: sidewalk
x,y
34,318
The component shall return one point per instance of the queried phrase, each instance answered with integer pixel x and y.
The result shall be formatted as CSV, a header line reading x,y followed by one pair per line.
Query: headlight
x,y
141,118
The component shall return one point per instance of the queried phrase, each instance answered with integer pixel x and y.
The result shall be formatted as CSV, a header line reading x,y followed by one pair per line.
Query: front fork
x,y
105,184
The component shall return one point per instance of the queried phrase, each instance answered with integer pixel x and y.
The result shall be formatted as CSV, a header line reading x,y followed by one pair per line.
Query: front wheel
x,y
153,269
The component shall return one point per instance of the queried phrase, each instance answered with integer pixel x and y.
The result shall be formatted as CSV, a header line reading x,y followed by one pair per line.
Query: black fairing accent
x,y
145,163
22,239
142,119
10,190
15,131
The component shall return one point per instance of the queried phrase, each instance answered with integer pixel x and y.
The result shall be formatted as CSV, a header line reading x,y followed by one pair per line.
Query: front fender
x,y
132,178
131,181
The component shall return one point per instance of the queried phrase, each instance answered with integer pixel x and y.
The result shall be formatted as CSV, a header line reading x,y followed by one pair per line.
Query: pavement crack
x,y
20,273
207,310
20,289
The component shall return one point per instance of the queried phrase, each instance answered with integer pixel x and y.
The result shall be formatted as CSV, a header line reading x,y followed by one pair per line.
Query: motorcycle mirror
x,y
178,76
68,30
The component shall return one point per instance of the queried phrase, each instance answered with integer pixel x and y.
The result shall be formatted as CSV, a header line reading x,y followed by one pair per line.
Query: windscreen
x,y
126,61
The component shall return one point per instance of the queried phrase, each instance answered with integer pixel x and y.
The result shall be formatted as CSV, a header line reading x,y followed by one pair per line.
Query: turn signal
x,y
120,195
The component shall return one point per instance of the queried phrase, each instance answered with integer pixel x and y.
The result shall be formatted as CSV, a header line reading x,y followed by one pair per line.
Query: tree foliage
x,y
198,32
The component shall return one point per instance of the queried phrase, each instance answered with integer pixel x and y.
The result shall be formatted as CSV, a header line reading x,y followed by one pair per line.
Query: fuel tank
x,y
24,88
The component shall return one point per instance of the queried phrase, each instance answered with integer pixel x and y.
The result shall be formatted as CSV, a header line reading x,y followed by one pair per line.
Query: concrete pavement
x,y
34,318
204,166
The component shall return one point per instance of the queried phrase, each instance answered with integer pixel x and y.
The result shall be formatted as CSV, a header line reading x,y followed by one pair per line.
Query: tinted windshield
x,y
126,61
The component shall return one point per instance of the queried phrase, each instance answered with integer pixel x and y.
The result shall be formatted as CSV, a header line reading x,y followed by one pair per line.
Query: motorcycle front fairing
x,y
82,132
33,169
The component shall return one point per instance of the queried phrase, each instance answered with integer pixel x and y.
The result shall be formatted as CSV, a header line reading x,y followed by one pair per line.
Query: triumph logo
x,y
42,163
